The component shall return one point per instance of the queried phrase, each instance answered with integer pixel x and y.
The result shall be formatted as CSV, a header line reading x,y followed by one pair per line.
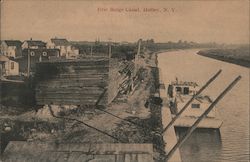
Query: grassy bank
x,y
239,56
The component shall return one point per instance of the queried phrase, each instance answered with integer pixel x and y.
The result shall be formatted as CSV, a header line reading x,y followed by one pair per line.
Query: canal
x,y
232,143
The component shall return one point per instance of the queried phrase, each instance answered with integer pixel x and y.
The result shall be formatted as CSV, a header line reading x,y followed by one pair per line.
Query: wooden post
x,y
28,68
189,102
194,126
1,70
137,55
91,50
109,49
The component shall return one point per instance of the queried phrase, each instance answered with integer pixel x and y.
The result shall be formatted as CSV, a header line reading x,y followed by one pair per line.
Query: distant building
x,y
8,67
36,55
11,48
66,49
33,44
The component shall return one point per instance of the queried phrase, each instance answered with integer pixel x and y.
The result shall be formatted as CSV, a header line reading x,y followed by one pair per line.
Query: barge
x,y
179,93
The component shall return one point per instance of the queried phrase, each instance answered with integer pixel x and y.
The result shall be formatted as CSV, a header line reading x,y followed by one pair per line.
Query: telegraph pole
x,y
137,55
28,69
91,50
109,48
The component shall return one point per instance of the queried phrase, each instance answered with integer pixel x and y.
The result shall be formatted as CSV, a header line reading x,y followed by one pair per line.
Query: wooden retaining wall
x,y
78,82
72,82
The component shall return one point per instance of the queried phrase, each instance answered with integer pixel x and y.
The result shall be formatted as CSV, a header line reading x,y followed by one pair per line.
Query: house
x,y
66,49
36,55
33,44
11,48
8,67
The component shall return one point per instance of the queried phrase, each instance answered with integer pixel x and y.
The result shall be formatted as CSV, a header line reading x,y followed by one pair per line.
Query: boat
x,y
179,93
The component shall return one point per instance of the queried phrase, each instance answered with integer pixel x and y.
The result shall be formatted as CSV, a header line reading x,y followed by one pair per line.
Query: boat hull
x,y
209,123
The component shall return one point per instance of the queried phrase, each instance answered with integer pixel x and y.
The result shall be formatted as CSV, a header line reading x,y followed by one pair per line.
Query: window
x,y
186,90
178,89
196,106
12,65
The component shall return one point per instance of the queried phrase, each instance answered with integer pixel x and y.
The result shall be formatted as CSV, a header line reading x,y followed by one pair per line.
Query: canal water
x,y
232,143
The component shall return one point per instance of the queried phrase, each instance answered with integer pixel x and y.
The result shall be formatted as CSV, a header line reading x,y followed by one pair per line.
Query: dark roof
x,y
38,52
180,83
36,43
60,41
74,152
16,43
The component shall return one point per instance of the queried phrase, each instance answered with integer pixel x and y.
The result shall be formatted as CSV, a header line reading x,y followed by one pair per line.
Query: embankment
x,y
145,129
228,55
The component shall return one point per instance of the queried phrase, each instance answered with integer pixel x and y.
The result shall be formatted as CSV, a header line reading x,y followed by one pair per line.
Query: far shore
x,y
237,57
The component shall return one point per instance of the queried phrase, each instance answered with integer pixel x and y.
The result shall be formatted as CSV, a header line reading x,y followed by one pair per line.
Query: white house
x,y
11,48
8,67
66,49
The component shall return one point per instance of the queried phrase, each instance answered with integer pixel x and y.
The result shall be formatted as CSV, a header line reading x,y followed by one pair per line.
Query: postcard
x,y
124,81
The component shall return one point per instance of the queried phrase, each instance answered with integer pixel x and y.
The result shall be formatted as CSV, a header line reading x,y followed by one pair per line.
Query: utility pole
x,y
1,70
139,48
137,55
109,48
28,69
91,50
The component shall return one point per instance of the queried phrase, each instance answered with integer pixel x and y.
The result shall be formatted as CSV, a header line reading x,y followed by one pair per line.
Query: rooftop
x,y
60,41
16,43
36,43
185,83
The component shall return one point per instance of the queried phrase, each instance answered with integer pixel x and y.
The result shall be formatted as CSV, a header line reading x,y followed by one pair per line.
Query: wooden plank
x,y
71,96
73,75
68,91
59,89
74,84
74,62
69,102
81,72
80,79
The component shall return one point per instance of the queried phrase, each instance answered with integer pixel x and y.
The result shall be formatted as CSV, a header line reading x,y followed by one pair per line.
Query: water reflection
x,y
202,145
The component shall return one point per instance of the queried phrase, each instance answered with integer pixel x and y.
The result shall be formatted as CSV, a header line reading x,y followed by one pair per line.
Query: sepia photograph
x,y
124,81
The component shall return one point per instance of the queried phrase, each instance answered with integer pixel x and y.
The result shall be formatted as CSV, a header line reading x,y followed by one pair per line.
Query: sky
x,y
225,21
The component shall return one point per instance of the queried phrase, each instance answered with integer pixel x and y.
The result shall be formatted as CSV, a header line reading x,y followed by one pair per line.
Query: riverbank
x,y
132,118
236,56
